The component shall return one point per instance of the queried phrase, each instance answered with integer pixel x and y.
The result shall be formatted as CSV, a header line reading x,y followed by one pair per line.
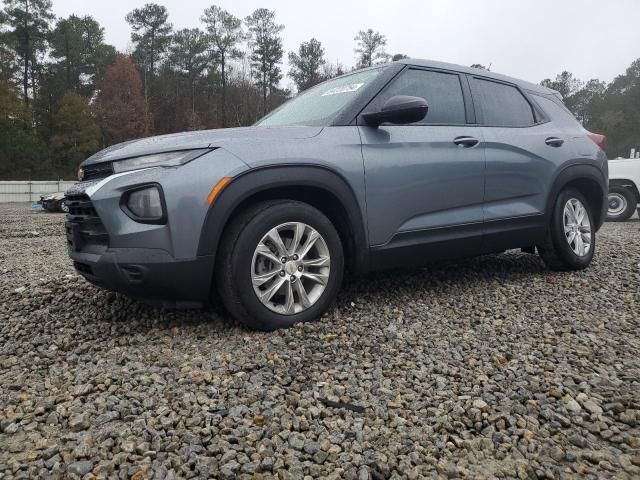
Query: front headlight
x,y
167,159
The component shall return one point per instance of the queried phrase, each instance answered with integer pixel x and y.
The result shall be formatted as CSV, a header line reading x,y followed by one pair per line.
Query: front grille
x,y
90,229
97,171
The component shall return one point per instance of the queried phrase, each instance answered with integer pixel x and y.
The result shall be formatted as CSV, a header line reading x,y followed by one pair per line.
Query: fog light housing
x,y
145,205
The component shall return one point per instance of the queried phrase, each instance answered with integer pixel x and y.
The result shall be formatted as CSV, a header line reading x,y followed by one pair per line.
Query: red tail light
x,y
598,139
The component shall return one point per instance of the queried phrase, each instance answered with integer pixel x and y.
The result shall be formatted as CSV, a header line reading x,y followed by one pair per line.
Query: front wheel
x,y
622,202
64,208
280,263
571,241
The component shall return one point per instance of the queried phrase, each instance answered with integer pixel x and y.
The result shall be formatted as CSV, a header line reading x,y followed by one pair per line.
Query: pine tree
x,y
152,36
78,45
370,48
76,135
29,22
266,50
225,34
306,64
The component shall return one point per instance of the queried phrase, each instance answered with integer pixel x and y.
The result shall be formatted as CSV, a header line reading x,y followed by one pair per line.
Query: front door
x,y
424,181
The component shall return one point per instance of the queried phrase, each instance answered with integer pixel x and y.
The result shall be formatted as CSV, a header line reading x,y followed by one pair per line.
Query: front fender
x,y
270,179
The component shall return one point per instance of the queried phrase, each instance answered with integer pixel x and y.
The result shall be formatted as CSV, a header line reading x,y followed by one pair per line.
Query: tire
x,y
622,203
557,253
62,206
239,260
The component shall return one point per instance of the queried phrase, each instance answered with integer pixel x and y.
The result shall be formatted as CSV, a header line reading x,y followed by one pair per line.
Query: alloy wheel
x,y
290,268
577,227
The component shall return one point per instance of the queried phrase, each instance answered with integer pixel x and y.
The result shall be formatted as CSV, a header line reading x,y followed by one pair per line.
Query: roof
x,y
532,87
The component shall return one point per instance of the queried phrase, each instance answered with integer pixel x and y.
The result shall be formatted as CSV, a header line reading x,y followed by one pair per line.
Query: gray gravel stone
x,y
491,367
80,468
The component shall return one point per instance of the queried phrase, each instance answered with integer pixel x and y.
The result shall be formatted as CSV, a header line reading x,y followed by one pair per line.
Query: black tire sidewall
x,y
631,204
562,247
242,255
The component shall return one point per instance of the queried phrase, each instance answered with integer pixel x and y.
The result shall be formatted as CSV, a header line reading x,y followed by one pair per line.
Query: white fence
x,y
26,191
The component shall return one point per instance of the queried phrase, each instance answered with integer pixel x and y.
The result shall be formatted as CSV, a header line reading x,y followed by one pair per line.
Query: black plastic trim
x,y
151,275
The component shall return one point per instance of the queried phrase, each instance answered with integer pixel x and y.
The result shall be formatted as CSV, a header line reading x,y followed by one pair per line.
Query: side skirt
x,y
418,248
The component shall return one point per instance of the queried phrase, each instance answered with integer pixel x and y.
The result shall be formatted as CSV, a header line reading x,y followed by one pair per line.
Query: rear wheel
x,y
572,238
622,203
280,263
63,206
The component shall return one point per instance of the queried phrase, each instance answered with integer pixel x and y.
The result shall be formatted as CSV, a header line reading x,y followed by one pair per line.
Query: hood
x,y
200,139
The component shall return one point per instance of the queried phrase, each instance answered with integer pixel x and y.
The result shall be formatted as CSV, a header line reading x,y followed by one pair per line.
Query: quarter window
x,y
442,91
501,105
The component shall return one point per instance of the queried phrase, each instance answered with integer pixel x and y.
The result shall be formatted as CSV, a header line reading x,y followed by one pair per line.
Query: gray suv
x,y
390,166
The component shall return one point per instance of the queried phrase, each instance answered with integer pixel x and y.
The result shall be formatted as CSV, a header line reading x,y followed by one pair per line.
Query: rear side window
x,y
501,105
556,110
442,91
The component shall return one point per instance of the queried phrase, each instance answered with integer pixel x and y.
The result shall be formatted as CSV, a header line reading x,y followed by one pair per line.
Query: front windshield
x,y
319,105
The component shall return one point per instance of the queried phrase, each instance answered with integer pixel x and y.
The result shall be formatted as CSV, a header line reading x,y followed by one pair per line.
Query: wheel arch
x,y
620,182
321,187
589,181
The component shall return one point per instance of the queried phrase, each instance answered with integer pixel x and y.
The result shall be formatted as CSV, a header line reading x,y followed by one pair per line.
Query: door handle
x,y
554,141
466,142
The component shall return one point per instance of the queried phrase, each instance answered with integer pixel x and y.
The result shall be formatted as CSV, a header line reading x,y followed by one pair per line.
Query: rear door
x,y
425,181
522,151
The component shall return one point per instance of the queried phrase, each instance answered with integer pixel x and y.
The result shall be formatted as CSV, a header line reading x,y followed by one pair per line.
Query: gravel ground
x,y
484,368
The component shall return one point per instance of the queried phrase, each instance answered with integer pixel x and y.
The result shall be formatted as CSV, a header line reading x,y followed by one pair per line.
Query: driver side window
x,y
442,91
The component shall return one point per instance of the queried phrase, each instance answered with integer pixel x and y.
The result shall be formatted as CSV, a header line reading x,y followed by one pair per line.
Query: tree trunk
x,y
224,92
264,93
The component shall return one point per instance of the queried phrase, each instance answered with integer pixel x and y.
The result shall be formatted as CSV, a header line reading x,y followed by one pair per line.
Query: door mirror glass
x,y
398,110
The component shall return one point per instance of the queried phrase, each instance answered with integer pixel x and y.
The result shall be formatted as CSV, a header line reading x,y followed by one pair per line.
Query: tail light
x,y
598,139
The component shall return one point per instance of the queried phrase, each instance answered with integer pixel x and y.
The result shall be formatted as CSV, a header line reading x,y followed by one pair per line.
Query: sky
x,y
527,39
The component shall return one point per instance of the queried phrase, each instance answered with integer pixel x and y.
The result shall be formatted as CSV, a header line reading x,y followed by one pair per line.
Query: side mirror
x,y
399,110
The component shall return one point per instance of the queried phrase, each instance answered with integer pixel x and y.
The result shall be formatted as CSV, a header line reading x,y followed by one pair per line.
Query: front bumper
x,y
151,275
157,262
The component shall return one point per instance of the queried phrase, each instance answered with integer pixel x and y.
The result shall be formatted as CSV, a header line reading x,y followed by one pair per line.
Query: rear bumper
x,y
150,275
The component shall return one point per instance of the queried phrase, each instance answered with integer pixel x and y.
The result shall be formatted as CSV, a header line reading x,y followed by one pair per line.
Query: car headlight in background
x,y
145,204
166,159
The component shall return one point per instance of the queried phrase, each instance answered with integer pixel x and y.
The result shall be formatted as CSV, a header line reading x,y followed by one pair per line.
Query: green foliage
x,y
370,48
20,149
399,56
613,110
65,93
75,136
77,43
266,50
29,28
305,65
188,52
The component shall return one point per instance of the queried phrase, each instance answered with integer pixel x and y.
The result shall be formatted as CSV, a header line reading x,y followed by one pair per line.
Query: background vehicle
x,y
54,202
394,165
624,191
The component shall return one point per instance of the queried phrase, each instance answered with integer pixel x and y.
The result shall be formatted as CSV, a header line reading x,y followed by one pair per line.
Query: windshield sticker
x,y
352,87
